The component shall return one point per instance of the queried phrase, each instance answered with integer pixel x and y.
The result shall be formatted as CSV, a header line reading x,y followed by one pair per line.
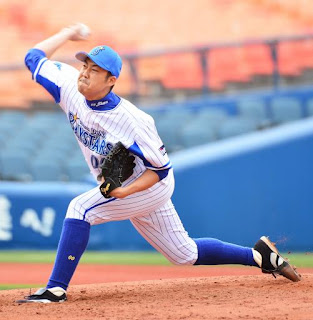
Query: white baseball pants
x,y
150,211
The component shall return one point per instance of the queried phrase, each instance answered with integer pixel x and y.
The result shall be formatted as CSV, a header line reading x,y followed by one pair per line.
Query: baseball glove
x,y
117,167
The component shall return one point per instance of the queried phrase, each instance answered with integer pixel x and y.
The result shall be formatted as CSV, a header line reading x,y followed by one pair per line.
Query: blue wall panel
x,y
265,192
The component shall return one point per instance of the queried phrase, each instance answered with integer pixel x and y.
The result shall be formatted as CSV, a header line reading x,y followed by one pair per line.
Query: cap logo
x,y
97,50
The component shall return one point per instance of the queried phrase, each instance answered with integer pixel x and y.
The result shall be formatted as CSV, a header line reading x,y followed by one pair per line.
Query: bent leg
x,y
164,231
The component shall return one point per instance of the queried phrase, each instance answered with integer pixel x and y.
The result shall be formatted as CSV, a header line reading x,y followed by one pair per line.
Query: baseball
x,y
84,30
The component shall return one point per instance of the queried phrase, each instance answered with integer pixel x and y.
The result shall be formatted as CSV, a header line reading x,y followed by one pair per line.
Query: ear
x,y
112,80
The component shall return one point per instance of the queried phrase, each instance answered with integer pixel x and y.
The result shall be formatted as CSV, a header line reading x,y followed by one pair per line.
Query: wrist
x,y
67,33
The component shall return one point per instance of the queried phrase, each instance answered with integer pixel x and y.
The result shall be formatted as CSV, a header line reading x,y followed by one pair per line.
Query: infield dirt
x,y
233,296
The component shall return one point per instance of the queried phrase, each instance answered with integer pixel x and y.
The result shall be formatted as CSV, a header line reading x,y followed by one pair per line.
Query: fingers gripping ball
x,y
84,30
117,167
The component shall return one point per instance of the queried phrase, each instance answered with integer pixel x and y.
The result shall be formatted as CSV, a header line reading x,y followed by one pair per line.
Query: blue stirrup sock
x,y
72,244
212,252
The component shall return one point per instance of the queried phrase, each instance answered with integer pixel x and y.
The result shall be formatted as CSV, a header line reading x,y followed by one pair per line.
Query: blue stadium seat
x,y
76,168
46,120
14,165
14,117
236,126
196,134
309,108
254,109
285,109
43,170
212,117
3,140
18,144
9,128
67,145
170,128
157,115
56,115
50,154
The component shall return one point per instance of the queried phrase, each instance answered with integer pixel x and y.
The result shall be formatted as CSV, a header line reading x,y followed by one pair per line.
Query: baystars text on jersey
x,y
95,141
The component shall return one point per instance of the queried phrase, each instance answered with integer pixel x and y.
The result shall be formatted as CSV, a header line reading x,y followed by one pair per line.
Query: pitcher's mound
x,y
224,297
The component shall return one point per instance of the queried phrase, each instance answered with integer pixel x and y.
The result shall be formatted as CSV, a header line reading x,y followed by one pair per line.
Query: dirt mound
x,y
224,297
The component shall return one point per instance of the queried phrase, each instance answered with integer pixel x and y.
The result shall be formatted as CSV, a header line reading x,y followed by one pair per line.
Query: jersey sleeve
x,y
149,147
56,77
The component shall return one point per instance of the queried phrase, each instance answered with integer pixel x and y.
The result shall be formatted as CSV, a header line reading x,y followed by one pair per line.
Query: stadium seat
x,y
285,109
257,59
3,140
28,145
76,168
236,126
170,128
14,165
254,109
287,64
8,127
43,170
196,134
210,116
309,107
157,115
14,117
66,146
183,71
51,154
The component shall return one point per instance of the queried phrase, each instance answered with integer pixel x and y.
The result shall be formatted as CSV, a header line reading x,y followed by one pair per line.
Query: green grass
x,y
9,286
89,257
301,260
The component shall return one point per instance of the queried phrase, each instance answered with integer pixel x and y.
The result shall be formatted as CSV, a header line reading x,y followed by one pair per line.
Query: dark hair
x,y
109,74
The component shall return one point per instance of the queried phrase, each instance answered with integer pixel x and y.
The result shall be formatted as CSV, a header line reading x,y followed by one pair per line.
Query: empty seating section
x,y
286,109
22,26
235,126
183,71
255,109
41,145
309,108
38,146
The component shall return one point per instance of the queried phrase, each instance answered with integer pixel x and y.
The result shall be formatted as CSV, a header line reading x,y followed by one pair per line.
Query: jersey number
x,y
95,162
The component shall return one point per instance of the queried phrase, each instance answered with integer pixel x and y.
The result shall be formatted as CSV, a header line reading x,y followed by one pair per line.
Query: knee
x,y
76,209
186,260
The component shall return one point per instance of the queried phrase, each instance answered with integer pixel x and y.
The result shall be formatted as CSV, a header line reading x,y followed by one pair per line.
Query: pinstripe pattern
x,y
165,232
152,214
150,211
92,207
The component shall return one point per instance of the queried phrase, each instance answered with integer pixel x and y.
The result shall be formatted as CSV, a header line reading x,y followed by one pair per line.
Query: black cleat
x,y
270,261
44,295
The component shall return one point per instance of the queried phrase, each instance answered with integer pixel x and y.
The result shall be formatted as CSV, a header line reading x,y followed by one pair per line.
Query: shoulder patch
x,y
58,64
162,150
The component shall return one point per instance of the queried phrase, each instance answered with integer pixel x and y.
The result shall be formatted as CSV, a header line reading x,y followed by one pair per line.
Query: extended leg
x,y
212,251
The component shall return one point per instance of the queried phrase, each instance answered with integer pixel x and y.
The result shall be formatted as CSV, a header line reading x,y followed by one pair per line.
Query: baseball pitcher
x,y
128,159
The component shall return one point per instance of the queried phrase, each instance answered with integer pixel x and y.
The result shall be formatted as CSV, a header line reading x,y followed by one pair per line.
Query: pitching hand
x,y
77,32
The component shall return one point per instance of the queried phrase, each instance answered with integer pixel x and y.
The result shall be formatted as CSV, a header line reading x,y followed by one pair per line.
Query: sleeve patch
x,y
163,150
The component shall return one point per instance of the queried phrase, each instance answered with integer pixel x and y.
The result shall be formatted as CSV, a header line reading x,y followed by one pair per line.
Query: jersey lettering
x,y
95,142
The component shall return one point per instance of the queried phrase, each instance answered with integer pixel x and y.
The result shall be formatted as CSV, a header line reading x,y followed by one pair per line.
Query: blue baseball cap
x,y
105,57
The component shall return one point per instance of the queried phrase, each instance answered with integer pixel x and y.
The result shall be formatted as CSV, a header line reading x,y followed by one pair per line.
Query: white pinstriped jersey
x,y
98,125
